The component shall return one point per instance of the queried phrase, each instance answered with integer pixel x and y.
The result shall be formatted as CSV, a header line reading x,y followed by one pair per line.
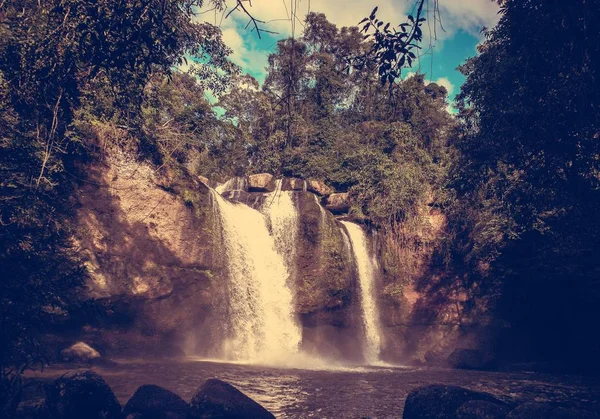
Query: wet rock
x,y
318,187
480,409
293,184
207,181
546,411
80,352
471,359
79,395
218,399
262,182
338,203
154,402
437,401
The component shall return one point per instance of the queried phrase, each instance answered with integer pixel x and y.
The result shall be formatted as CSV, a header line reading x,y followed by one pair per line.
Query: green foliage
x,y
67,70
525,217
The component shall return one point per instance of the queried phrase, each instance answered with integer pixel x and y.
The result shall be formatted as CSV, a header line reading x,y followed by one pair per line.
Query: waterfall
x,y
283,218
263,327
366,272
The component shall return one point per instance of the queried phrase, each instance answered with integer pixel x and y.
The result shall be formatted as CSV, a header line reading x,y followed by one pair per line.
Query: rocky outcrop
x,y
338,203
150,401
218,399
318,187
79,395
146,239
439,401
262,182
80,352
293,184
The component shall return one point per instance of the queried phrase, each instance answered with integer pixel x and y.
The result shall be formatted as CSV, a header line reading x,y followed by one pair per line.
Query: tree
x,y
527,179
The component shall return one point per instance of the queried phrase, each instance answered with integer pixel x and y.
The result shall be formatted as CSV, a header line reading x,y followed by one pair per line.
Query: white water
x,y
283,218
366,272
263,328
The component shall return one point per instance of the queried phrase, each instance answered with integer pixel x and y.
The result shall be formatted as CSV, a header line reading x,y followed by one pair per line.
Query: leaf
x,y
363,21
373,12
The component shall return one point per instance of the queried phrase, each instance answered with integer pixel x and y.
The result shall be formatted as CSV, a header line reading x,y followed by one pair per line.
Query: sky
x,y
462,21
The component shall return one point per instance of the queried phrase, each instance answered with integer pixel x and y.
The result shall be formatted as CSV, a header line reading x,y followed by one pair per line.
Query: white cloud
x,y
443,81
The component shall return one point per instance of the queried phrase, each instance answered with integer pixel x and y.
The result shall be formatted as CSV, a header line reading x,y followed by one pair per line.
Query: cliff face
x,y
158,274
147,245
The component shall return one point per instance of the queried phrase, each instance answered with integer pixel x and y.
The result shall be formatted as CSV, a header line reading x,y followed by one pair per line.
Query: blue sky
x,y
462,21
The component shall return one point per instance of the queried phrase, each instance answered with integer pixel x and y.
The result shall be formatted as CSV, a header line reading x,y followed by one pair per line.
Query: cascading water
x,y
366,272
283,218
263,327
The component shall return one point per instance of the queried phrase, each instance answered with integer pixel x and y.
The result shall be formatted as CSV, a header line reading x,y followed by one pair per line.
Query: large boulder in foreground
x,y
218,399
480,409
338,203
154,402
546,411
262,182
471,359
78,395
437,401
80,352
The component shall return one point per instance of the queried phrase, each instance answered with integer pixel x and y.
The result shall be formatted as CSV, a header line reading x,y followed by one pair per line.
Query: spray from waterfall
x,y
262,323
366,272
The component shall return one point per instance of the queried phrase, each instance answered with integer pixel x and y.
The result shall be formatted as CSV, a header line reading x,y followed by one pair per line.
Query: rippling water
x,y
375,392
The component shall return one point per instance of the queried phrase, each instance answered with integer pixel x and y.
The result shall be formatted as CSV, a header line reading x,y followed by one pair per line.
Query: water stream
x,y
262,323
367,274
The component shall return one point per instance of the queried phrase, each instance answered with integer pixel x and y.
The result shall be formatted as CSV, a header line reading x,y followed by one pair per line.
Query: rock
x,y
546,411
79,352
262,182
437,401
338,203
208,182
471,359
480,409
293,184
78,395
154,402
318,187
218,399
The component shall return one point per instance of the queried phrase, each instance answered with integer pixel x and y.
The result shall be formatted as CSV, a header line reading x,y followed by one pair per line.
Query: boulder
x,y
154,402
546,411
80,352
293,184
262,182
78,395
318,187
480,409
208,182
471,359
437,401
338,203
218,399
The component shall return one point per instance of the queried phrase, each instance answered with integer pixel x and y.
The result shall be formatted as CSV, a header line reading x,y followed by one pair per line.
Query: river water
x,y
374,392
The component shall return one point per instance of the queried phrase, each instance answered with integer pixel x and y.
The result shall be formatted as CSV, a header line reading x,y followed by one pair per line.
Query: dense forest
x,y
516,171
